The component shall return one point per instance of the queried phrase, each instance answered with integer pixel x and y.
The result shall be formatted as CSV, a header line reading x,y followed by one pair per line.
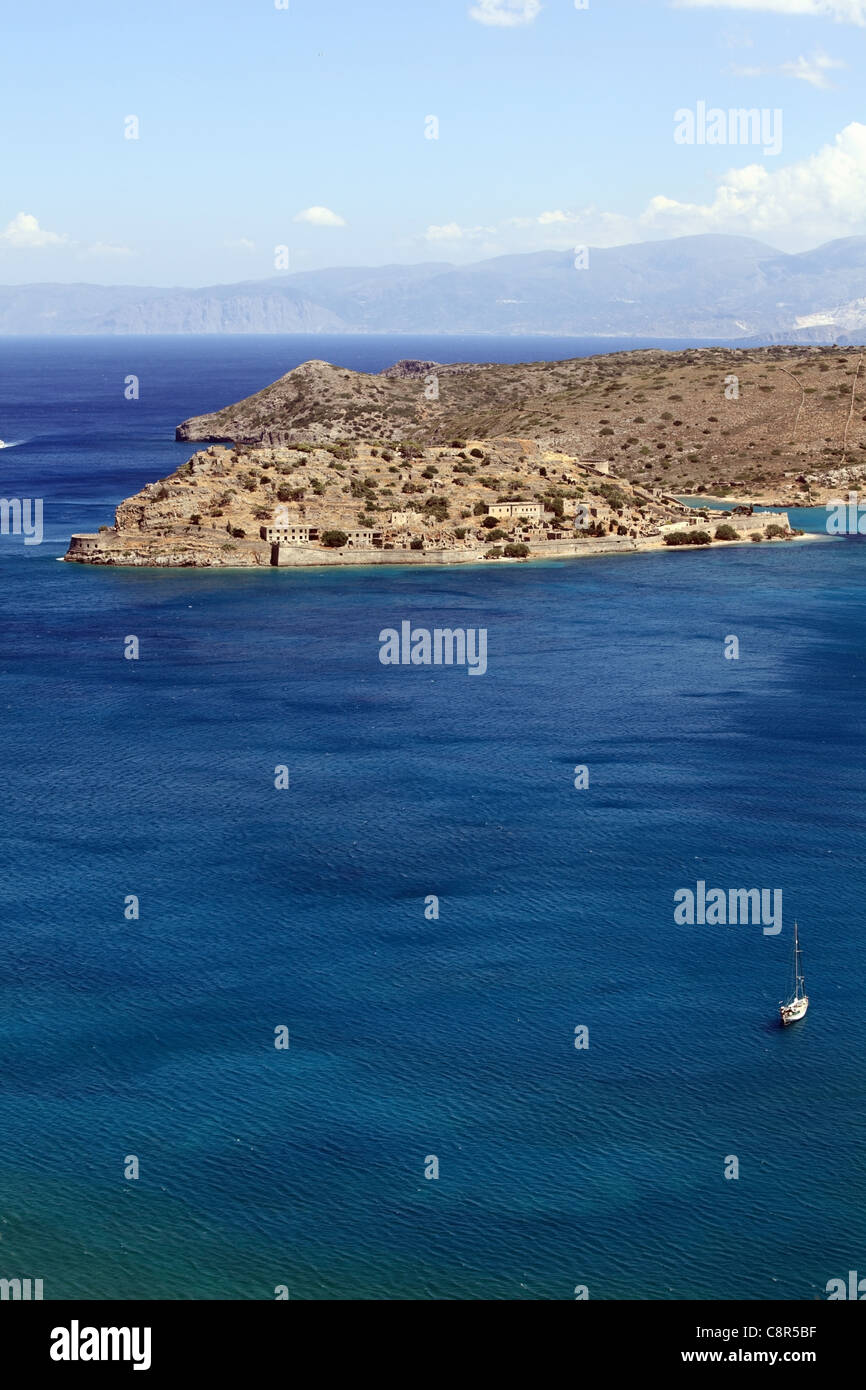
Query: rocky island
x,y
429,463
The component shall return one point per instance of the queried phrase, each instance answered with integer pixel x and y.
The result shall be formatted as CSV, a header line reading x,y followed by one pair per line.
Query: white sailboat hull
x,y
790,1013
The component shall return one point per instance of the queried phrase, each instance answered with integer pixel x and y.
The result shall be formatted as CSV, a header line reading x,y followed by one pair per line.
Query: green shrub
x,y
688,538
334,539
490,522
775,532
494,553
726,532
756,536
612,496
517,551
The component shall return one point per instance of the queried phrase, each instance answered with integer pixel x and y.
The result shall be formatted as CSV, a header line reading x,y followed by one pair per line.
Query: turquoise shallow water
x,y
306,908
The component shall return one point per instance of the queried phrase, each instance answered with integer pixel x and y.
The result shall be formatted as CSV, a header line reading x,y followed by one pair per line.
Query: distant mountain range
x,y
721,288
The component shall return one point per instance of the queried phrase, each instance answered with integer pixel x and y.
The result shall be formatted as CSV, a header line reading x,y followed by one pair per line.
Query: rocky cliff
x,y
753,421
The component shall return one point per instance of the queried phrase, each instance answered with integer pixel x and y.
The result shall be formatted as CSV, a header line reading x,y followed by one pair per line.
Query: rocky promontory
x,y
745,422
425,463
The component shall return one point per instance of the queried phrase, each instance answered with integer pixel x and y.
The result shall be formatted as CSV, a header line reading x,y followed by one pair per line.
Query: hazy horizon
x,y
275,277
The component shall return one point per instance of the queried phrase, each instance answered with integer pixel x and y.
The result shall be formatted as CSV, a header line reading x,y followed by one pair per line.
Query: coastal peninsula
x,y
429,463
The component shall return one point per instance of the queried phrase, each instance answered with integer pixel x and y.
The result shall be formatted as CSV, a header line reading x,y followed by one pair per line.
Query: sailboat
x,y
795,1007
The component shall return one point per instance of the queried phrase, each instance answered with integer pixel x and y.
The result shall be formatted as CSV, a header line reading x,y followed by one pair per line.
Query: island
x,y
426,463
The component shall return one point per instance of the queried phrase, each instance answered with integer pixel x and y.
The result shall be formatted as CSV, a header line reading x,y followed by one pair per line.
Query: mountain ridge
x,y
709,286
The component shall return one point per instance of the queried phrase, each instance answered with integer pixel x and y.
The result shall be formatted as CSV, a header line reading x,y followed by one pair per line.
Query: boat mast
x,y
799,982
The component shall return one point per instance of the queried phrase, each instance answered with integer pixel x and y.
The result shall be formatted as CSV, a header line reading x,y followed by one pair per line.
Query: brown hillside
x,y
668,419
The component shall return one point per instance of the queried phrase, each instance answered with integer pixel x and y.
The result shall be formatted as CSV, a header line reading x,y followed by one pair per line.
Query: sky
x,y
184,142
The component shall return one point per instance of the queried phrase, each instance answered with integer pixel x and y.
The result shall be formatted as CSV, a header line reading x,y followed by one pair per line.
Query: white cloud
x,y
241,244
25,233
813,70
842,11
448,231
555,231
505,14
452,231
812,200
795,207
320,217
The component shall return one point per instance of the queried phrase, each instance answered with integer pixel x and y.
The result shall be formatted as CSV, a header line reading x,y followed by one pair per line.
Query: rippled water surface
x,y
305,908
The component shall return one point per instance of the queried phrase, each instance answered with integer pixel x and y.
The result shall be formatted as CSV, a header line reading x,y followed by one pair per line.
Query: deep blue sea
x,y
412,1038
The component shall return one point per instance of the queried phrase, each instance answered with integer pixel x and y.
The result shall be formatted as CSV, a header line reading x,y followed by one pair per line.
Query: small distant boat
x,y
2,443
794,1007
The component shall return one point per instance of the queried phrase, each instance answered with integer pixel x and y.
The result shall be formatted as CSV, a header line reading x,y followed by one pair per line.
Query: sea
x,y
505,1071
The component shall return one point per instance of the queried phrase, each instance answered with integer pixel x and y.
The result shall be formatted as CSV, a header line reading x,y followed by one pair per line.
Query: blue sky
x,y
305,127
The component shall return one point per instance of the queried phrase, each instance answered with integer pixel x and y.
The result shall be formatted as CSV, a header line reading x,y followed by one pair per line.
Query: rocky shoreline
x,y
299,485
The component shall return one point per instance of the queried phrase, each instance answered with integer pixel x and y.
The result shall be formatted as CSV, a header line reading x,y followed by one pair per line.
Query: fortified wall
x,y
746,523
